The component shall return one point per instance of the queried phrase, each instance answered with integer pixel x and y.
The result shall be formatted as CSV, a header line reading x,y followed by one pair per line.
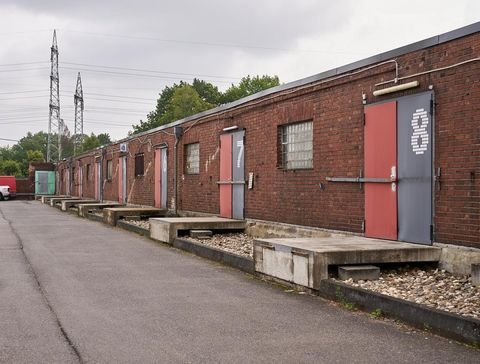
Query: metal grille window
x,y
192,158
109,170
139,164
297,145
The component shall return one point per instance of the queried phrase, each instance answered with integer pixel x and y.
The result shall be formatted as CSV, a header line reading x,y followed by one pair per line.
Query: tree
x,y
185,101
249,86
204,97
93,141
10,168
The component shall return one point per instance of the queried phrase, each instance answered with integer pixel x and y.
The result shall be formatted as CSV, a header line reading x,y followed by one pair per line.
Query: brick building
x,y
388,146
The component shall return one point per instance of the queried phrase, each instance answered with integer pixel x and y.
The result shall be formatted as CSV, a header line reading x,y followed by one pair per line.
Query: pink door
x,y
161,181
226,175
380,171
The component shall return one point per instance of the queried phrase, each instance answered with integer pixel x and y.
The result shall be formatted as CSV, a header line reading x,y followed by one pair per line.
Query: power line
x,y
127,97
208,43
134,74
151,71
22,64
25,69
21,92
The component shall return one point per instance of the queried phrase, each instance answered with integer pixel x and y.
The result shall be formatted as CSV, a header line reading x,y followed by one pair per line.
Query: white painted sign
x,y
419,139
240,153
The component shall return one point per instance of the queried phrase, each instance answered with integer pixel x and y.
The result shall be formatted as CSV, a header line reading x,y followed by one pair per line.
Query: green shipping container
x,y
44,182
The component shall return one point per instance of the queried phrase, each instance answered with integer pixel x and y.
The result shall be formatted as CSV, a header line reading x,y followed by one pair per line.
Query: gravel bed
x,y
431,287
238,243
141,223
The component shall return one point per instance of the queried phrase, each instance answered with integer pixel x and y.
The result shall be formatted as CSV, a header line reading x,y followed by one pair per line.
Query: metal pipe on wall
x,y
178,132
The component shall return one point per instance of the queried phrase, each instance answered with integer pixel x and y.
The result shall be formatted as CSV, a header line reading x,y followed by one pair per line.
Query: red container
x,y
11,182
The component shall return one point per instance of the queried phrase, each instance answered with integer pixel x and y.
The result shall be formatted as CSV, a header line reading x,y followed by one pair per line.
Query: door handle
x,y
393,174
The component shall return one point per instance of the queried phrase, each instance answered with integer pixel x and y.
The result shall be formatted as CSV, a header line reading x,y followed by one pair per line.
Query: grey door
x,y
415,183
238,174
41,182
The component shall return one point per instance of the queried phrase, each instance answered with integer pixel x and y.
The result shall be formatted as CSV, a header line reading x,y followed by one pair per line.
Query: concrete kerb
x,y
133,228
233,260
460,328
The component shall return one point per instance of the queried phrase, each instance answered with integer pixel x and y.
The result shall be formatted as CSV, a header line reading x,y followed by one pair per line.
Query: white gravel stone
x,y
141,223
431,287
237,243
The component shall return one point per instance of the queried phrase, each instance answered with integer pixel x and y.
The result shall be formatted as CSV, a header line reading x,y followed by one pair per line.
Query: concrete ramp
x,y
166,229
305,261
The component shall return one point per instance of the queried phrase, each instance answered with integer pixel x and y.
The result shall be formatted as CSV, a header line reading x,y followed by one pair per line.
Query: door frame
x,y
226,178
432,148
160,159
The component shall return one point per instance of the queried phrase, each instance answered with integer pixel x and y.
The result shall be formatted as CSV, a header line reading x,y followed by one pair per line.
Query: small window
x,y
89,172
192,158
109,170
297,145
139,164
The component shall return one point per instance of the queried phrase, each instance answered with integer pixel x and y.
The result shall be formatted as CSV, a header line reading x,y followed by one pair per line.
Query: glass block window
x,y
139,164
109,170
297,145
192,158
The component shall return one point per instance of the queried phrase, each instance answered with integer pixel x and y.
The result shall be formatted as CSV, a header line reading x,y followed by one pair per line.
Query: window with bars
x,y
192,158
297,145
109,170
139,164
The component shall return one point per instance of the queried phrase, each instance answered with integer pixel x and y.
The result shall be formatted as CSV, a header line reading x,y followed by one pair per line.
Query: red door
x,y
226,175
380,171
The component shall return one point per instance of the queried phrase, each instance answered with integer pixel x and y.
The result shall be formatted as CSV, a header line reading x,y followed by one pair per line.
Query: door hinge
x,y
431,233
363,119
432,105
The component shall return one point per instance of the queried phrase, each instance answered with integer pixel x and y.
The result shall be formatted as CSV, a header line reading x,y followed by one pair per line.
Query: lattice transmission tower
x,y
55,124
78,98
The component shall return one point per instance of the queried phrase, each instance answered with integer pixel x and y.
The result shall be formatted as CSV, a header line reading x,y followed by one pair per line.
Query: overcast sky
x,y
127,51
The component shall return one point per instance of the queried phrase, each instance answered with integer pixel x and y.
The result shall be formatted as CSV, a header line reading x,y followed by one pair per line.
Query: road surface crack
x,y
42,291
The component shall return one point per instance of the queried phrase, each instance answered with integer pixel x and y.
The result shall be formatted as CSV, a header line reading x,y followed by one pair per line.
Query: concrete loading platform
x,y
305,261
112,214
66,204
46,198
166,229
58,200
85,208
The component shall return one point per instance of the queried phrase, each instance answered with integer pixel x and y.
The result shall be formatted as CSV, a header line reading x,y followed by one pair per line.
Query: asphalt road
x,y
76,291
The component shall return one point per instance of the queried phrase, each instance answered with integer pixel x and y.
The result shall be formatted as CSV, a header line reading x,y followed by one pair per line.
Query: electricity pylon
x,y
78,98
54,149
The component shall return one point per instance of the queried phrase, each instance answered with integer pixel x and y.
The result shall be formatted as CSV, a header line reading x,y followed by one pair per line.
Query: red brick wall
x,y
336,109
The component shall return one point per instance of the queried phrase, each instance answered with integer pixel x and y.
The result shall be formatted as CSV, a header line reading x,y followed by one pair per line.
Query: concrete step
x,y
166,229
305,261
359,272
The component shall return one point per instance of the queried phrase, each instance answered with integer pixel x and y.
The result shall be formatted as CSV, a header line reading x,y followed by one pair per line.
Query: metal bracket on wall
x,y
230,182
437,179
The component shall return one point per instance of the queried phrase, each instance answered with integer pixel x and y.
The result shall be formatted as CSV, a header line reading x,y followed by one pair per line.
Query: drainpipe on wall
x,y
178,132
70,176
101,174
